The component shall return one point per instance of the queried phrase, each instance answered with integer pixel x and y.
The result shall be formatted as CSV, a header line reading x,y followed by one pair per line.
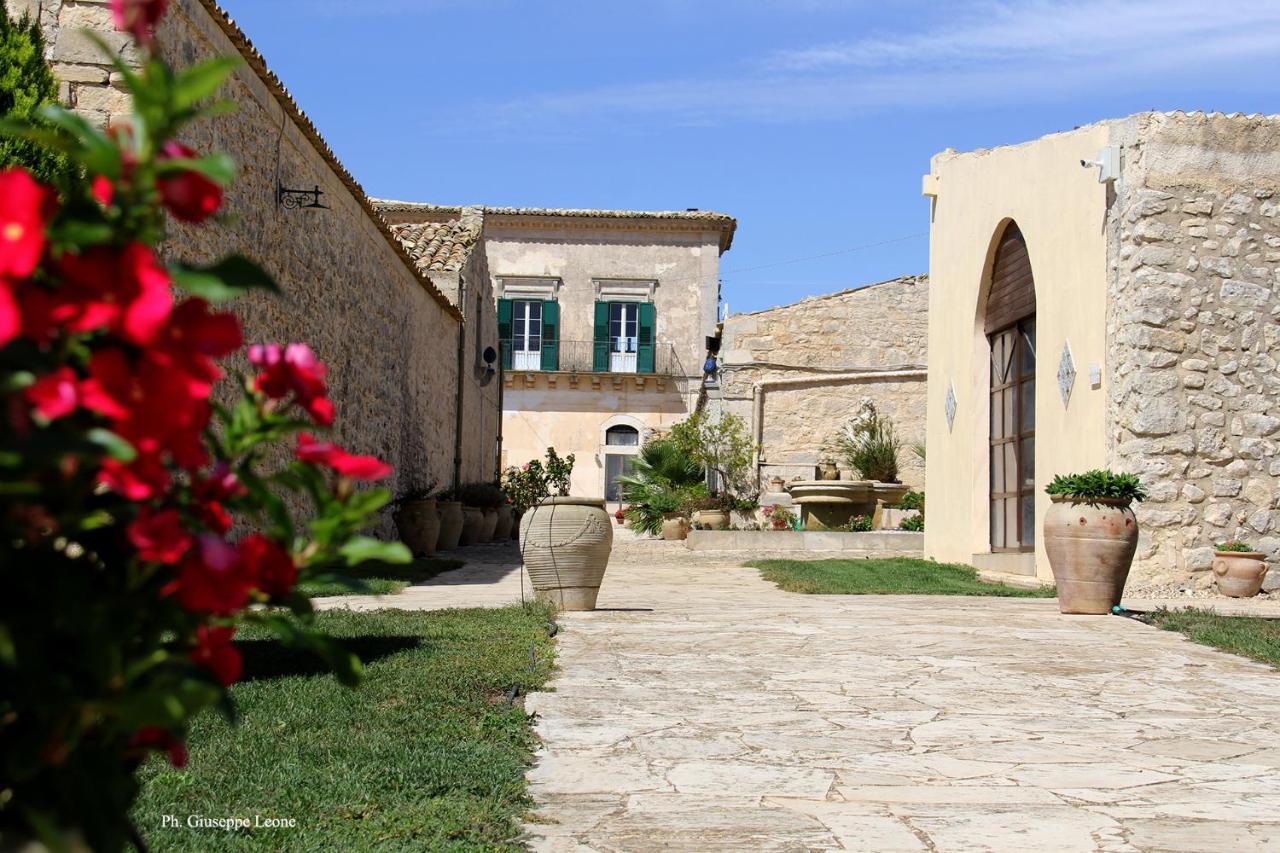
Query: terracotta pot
x,y
566,543
777,484
418,523
490,524
830,472
713,519
674,526
472,525
516,517
1090,547
1239,574
502,529
450,524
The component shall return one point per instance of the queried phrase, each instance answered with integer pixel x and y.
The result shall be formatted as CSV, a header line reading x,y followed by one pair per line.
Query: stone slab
x,y
882,542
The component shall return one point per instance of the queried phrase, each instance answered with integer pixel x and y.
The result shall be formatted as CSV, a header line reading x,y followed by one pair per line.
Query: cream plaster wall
x,y
1061,209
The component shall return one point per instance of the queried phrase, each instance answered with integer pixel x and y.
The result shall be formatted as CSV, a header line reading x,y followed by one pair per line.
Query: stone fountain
x,y
831,504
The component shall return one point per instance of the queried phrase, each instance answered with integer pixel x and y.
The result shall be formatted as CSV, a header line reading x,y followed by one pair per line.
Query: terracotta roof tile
x,y
441,246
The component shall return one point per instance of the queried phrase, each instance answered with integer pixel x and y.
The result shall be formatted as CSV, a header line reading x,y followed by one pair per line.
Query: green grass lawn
x,y
427,754
896,576
381,578
1244,635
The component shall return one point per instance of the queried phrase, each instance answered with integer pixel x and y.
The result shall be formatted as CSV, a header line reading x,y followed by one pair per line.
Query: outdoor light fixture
x,y
297,199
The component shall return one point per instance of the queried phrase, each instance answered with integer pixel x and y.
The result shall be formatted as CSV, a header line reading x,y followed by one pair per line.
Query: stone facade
x,y
798,373
1194,406
388,333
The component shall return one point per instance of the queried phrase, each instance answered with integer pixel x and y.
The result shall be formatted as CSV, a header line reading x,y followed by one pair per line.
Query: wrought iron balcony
x,y
618,357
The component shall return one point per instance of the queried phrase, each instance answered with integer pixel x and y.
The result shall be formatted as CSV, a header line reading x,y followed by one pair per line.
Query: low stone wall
x,y
889,543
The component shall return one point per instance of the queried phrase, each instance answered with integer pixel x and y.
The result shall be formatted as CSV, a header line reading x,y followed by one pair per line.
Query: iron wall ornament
x,y
949,405
1066,373
297,199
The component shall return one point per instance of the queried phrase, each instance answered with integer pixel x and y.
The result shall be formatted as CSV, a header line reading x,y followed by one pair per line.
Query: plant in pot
x,y
780,517
869,445
828,470
451,519
472,497
417,520
661,473
1238,569
1090,536
712,512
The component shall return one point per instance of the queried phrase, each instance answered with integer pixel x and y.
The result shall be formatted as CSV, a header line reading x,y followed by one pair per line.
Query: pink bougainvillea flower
x,y
293,368
138,17
160,537
215,651
188,195
140,480
126,290
154,737
270,564
211,578
55,395
346,464
26,206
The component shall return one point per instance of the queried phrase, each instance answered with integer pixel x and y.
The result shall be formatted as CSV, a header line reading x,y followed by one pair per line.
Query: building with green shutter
x,y
602,319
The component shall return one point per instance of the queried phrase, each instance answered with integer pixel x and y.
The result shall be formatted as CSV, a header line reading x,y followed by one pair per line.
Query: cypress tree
x,y
26,83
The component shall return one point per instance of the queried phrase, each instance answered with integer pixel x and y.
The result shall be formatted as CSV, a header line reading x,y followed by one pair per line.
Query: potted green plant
x,y
780,517
1091,535
859,524
1238,570
712,513
417,520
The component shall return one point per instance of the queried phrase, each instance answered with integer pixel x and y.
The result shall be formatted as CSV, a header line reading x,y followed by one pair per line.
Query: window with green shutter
x,y
550,335
504,332
645,347
600,348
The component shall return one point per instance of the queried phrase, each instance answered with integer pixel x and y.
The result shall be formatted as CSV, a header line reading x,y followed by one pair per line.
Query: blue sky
x,y
810,121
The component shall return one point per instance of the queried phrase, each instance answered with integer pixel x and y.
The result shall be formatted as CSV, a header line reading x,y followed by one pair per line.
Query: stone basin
x,y
829,504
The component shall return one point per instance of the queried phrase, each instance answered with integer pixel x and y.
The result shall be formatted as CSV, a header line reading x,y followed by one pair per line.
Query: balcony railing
x,y
624,357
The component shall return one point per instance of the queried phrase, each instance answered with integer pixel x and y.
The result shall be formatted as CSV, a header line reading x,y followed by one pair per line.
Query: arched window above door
x,y
1012,295
622,436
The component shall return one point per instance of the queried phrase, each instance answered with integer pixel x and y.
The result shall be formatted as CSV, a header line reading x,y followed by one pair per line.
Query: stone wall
x,y
1193,340
389,336
799,372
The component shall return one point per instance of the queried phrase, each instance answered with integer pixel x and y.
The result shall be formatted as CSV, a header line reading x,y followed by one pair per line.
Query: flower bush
x,y
859,524
527,485
122,474
780,517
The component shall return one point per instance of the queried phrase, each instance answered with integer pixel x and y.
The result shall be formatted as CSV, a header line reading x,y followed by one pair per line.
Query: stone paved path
x,y
703,710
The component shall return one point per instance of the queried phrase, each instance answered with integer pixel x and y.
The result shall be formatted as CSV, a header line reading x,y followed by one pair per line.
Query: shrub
x,y
529,484
781,517
721,445
859,524
1235,546
481,495
122,478
914,523
1097,484
869,445
912,500
663,479
26,85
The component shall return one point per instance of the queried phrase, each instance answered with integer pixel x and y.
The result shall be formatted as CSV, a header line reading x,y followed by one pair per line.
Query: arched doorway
x,y
622,444
1010,327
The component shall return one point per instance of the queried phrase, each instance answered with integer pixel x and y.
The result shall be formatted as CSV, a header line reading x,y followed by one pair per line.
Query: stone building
x,y
798,373
1107,297
603,316
399,339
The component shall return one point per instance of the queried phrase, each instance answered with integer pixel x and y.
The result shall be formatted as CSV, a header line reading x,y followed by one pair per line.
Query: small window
x,y
622,436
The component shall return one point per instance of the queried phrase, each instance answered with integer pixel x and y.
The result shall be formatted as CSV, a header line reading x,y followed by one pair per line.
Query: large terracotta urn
x,y
472,525
712,519
502,528
675,525
418,523
489,526
1090,543
566,543
450,524
1239,574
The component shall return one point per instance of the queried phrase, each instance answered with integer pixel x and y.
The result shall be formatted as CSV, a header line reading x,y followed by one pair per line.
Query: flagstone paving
x,y
703,709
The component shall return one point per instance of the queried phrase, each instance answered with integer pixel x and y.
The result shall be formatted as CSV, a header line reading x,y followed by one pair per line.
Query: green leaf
x,y
16,381
202,81
76,232
219,168
229,278
99,154
360,549
115,446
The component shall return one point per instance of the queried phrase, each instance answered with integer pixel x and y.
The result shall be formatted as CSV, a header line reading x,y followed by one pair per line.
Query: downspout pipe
x,y
462,366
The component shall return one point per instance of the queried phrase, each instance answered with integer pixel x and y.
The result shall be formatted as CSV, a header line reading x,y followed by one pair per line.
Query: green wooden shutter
x,y
504,332
645,347
550,335
600,357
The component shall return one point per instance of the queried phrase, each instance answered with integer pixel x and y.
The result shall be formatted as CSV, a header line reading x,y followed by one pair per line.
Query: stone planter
x,y
418,523
1090,547
1239,574
489,525
566,543
674,526
472,525
506,518
450,524
515,525
712,519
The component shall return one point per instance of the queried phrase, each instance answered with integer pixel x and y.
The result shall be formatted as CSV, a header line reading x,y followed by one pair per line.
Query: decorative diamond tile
x,y
950,406
1066,373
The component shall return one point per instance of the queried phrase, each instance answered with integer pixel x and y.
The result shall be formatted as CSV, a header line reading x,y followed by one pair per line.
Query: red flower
x,y
55,395
215,652
346,464
25,210
138,17
211,578
210,491
270,563
10,316
102,190
189,195
159,536
142,479
124,289
194,336
293,369
154,737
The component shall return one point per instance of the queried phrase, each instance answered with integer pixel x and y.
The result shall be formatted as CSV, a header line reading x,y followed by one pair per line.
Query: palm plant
x,y
662,479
